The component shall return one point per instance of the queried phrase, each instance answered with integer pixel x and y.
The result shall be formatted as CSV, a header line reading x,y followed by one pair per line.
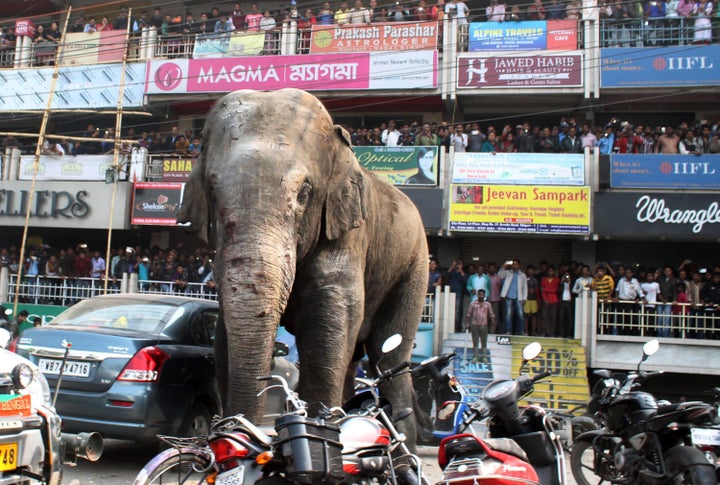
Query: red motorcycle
x,y
356,444
524,446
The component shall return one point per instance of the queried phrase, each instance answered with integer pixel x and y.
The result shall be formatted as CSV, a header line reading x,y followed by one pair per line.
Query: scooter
x,y
450,413
524,446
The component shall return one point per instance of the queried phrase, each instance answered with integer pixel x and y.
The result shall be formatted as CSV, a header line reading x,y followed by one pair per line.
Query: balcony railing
x,y
652,32
671,320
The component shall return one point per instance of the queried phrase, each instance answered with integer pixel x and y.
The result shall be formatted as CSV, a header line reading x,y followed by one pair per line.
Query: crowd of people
x,y
174,270
508,298
567,136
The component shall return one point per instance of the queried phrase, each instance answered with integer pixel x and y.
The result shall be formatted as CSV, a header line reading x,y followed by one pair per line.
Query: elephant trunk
x,y
254,283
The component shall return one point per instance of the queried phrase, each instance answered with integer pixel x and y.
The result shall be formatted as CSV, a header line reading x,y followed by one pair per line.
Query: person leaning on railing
x,y
603,283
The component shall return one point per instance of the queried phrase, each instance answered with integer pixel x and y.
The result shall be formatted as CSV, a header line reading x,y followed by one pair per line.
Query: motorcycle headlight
x,y
22,376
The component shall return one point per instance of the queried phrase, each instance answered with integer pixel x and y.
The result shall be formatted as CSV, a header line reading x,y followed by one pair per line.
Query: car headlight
x,y
22,376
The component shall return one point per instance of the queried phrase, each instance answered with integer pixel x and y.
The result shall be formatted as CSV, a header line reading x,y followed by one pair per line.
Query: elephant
x,y
306,238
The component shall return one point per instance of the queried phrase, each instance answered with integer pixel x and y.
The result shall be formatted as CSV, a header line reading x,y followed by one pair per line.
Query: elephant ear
x,y
346,203
195,207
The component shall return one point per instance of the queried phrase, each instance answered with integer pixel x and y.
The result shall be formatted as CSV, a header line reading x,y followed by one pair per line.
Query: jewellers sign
x,y
657,214
63,204
527,71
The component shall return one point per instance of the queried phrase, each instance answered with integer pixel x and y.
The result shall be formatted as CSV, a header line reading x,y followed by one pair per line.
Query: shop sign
x,y
525,35
177,169
665,171
657,214
630,67
156,203
228,44
519,168
59,204
401,165
66,167
519,209
565,361
77,87
513,71
390,36
353,71
87,48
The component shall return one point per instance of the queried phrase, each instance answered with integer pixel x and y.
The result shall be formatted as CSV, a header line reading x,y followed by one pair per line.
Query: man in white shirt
x,y
629,293
359,14
459,140
651,288
391,135
495,12
457,9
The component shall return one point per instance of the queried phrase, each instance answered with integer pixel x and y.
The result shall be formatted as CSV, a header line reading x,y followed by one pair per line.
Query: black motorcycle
x,y
641,441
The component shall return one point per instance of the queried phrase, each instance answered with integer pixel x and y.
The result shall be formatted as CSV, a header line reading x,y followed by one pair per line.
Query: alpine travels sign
x,y
657,214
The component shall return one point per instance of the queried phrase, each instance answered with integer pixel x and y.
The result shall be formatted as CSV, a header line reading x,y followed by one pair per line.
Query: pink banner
x,y
314,72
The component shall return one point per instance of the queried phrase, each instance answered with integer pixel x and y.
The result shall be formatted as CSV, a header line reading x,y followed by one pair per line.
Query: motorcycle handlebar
x,y
541,376
391,372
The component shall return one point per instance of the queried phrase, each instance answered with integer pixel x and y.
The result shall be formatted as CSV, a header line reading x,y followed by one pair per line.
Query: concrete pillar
x,y
4,284
133,283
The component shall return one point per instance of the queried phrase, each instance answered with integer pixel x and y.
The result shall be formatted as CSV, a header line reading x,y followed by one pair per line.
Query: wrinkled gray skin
x,y
305,236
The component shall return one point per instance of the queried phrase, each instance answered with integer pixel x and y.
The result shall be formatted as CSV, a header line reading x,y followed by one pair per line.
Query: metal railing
x,y
646,33
57,290
670,320
66,291
159,287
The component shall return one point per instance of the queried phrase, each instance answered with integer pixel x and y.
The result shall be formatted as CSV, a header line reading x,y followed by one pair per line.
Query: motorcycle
x,y
707,439
524,446
641,441
32,447
355,444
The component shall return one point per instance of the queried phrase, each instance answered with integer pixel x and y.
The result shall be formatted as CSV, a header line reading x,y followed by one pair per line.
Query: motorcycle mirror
x,y
531,351
650,347
392,343
8,312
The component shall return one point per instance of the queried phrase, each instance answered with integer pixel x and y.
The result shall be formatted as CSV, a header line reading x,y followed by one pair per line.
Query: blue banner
x,y
494,36
519,168
697,65
665,172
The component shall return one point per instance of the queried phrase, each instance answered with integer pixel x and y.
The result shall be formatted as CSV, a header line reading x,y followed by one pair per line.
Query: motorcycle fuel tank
x,y
359,432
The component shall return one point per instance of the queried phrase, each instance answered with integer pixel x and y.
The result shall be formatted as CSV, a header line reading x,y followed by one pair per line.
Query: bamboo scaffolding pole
x,y
68,138
116,155
36,166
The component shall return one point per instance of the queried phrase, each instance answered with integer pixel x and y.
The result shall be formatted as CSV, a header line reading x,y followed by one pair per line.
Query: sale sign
x,y
521,209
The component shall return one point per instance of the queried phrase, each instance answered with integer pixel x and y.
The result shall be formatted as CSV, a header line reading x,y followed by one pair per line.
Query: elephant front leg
x,y
326,332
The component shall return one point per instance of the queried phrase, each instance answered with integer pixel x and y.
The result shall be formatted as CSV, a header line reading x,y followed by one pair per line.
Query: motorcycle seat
x,y
678,406
507,446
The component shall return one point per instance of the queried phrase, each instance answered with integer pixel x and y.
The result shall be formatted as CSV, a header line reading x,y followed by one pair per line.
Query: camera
x,y
702,270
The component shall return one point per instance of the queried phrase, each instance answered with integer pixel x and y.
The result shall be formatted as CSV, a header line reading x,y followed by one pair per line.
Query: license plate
x,y
705,436
232,477
8,456
72,368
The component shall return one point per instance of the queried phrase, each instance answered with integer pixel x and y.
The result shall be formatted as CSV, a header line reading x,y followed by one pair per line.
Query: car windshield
x,y
125,315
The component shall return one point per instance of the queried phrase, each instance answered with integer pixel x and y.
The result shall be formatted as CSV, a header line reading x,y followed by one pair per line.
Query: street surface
x,y
122,460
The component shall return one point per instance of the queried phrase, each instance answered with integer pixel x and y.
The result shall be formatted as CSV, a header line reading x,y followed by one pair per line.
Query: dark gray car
x,y
139,365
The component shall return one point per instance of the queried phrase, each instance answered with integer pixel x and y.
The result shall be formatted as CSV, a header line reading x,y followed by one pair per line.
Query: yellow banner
x,y
520,208
567,386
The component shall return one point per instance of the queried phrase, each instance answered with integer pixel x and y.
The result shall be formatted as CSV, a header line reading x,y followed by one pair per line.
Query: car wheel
x,y
197,422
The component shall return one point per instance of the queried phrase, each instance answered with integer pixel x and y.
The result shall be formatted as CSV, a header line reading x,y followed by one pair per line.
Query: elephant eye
x,y
304,193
